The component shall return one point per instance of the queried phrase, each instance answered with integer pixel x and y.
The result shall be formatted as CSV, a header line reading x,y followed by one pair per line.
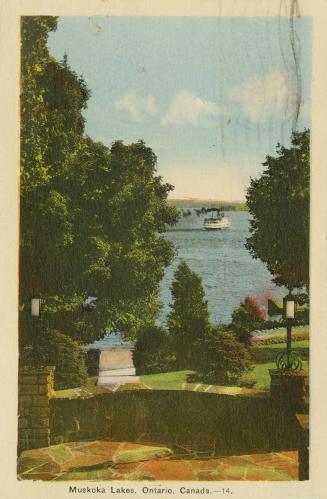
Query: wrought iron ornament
x,y
292,362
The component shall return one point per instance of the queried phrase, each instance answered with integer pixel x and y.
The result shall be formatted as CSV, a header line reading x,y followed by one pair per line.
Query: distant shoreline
x,y
209,203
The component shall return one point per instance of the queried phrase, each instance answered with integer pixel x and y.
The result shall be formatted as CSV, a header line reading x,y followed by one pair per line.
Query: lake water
x,y
228,271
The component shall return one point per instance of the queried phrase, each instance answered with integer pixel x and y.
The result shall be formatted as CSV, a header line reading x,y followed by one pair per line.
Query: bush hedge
x,y
52,348
153,351
224,359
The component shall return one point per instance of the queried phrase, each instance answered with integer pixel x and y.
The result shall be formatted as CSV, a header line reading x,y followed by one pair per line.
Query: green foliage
x,y
52,348
274,308
188,321
245,319
302,299
270,341
52,98
267,352
224,358
246,381
152,352
91,217
279,202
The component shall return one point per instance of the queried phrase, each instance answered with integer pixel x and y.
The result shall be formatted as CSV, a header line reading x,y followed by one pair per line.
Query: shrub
x,y
92,361
153,353
53,348
246,318
302,319
246,381
272,340
224,358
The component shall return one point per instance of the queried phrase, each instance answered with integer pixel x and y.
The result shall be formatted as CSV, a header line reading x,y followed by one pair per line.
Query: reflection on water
x,y
228,271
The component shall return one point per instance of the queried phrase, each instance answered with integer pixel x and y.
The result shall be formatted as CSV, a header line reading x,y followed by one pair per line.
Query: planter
x,y
290,389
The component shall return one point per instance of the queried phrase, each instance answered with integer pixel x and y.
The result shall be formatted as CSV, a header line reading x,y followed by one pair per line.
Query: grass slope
x,y
166,381
264,359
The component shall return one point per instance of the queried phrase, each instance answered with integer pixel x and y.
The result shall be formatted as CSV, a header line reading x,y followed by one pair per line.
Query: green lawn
x,y
264,359
262,377
266,353
166,381
89,387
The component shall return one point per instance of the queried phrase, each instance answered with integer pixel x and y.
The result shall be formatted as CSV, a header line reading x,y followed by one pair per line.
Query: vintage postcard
x,y
171,269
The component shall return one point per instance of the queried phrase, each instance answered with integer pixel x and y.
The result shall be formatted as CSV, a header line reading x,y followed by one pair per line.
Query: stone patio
x,y
106,460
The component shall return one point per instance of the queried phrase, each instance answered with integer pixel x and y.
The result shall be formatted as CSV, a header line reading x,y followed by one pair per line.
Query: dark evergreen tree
x,y
224,358
188,321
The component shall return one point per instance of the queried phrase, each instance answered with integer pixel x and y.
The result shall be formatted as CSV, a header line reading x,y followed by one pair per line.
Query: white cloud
x,y
150,105
188,108
262,97
137,106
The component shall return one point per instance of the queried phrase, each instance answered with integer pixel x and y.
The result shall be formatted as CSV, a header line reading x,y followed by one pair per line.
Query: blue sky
x,y
212,96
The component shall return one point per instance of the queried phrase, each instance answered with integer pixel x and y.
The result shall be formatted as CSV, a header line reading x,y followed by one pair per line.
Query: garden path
x,y
107,460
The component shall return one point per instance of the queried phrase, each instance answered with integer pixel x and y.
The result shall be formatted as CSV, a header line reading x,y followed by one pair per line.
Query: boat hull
x,y
223,223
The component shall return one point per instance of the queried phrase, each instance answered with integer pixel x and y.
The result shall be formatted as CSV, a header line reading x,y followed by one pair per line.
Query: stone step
x,y
115,368
129,371
117,380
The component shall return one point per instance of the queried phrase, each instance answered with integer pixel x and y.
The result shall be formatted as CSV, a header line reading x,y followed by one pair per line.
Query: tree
x,y
53,348
188,321
91,217
120,208
52,126
52,98
245,319
279,202
153,351
225,358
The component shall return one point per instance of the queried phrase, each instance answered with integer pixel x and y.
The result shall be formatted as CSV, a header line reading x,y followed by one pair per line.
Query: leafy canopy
x,y
279,202
91,216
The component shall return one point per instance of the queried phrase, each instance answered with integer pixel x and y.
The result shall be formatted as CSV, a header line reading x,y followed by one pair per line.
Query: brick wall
x,y
35,391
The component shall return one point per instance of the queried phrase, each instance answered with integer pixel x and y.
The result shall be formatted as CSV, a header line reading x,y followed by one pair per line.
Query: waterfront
x,y
228,271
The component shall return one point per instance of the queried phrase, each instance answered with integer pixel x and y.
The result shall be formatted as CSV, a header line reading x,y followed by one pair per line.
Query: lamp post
x,y
35,306
289,311
35,311
289,360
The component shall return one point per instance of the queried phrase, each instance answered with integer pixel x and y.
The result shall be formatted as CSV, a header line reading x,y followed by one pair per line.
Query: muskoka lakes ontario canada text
x,y
145,490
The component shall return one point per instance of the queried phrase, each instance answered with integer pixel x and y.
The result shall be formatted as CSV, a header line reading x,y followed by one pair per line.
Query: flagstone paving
x,y
105,460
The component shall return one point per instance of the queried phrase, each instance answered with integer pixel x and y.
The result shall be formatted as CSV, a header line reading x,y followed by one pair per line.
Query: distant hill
x,y
208,203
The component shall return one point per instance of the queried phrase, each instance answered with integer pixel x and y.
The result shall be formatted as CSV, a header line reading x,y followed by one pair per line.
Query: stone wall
x,y
35,391
221,424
